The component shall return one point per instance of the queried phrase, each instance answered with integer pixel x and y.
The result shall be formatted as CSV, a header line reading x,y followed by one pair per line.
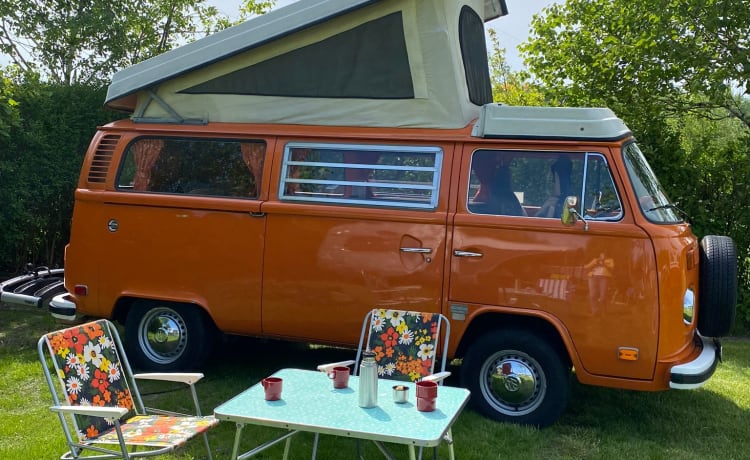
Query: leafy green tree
x,y
509,87
8,106
672,55
86,41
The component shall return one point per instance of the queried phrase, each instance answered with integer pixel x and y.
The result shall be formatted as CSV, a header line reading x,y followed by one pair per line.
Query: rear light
x,y
81,290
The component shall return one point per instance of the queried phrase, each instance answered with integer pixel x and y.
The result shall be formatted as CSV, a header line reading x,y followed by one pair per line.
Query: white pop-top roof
x,y
399,63
504,121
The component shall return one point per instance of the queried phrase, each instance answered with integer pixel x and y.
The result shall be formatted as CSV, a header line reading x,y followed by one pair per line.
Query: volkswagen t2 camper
x,y
283,177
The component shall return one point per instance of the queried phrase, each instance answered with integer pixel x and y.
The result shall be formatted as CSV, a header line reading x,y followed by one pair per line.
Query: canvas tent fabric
x,y
387,63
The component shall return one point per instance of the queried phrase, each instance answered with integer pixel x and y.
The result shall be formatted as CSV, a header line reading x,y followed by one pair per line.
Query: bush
x,y
40,162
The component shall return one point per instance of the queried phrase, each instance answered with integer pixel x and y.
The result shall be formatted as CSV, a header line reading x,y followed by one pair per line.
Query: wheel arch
x,y
548,329
124,305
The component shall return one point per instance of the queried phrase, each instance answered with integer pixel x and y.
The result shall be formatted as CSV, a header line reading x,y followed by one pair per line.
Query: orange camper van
x,y
283,177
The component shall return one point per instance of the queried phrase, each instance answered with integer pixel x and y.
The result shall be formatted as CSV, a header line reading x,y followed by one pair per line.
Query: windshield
x,y
651,197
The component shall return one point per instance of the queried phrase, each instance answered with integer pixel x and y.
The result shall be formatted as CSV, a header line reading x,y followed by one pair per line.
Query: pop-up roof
x,y
401,63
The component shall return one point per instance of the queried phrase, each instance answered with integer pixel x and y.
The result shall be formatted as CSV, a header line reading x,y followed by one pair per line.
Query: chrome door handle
x,y
417,250
458,253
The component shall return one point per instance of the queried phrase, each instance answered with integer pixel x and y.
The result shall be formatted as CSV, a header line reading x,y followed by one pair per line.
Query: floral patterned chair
x,y
101,403
405,344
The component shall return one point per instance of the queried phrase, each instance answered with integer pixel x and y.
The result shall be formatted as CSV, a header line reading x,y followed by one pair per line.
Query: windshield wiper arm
x,y
669,206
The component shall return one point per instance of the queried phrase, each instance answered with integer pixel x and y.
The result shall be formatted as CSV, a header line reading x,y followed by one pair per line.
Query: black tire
x,y
517,377
718,286
166,337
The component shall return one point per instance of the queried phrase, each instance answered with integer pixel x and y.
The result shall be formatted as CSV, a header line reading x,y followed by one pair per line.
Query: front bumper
x,y
695,373
62,307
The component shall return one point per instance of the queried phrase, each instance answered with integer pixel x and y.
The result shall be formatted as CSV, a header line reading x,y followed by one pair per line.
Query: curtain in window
x,y
254,155
145,153
294,171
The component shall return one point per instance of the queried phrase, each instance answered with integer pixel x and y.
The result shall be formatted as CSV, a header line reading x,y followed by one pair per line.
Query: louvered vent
x,y
102,159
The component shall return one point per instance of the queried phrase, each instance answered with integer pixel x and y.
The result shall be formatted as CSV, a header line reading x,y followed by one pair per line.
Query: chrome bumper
x,y
695,373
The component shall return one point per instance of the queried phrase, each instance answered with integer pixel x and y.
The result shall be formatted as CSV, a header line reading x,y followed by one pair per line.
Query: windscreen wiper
x,y
669,206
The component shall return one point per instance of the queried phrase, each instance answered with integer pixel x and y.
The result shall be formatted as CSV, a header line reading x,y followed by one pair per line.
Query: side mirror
x,y
570,215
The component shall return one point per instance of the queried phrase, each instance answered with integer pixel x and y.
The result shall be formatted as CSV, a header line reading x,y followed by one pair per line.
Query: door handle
x,y
417,250
459,253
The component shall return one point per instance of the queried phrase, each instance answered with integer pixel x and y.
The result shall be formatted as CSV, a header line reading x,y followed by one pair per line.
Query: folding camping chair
x,y
405,344
101,399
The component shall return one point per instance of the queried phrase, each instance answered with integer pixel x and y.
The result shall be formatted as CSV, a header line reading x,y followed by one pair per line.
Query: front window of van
x,y
651,197
536,184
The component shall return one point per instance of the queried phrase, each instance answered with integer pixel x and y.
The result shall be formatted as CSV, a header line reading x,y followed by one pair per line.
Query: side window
x,y
523,183
601,200
200,167
405,177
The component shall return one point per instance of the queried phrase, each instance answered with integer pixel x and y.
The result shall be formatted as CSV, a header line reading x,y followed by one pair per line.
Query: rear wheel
x,y
162,336
517,377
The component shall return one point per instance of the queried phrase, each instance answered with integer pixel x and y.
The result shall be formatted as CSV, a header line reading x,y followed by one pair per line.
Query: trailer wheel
x,y
166,337
718,286
516,377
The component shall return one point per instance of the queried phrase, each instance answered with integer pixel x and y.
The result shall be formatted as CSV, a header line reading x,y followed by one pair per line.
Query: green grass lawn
x,y
600,423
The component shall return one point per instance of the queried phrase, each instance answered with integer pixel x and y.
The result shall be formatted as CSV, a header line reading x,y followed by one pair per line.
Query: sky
x,y
512,29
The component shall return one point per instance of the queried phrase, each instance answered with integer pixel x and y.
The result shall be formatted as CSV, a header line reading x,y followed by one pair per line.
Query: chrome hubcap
x,y
513,382
163,335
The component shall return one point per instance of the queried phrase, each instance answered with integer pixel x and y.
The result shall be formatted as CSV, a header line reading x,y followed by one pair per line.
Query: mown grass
x,y
600,423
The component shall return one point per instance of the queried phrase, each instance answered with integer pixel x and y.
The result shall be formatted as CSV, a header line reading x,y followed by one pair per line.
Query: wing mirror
x,y
570,215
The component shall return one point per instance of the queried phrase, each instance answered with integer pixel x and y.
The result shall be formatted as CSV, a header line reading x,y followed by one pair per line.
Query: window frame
x,y
126,152
437,169
585,157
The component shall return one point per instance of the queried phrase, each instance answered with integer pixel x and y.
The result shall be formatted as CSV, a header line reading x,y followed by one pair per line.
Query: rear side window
x,y
201,167
403,177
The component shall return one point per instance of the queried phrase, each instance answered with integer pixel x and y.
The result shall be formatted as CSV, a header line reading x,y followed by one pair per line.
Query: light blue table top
x,y
310,403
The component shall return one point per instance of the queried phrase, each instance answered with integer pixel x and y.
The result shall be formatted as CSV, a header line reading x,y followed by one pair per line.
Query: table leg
x,y
315,446
237,436
287,446
412,453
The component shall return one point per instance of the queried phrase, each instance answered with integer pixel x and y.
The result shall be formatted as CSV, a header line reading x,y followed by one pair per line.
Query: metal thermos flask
x,y
368,380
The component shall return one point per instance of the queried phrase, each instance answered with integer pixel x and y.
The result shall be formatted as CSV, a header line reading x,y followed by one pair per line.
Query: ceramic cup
x,y
427,389
425,404
272,388
340,376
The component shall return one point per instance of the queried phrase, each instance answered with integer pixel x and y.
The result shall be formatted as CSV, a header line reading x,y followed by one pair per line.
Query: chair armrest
x,y
94,411
188,378
436,377
328,367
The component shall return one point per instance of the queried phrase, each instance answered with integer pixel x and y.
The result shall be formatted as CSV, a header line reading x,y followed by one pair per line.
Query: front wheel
x,y
516,377
165,337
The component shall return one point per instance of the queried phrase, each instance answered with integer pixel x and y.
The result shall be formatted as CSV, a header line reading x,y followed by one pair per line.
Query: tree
x,y
674,55
509,87
8,106
86,41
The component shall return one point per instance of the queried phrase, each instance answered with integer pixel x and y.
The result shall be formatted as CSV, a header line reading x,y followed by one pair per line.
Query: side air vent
x,y
102,159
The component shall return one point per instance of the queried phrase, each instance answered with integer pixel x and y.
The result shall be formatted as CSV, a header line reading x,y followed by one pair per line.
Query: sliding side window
x,y
402,177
